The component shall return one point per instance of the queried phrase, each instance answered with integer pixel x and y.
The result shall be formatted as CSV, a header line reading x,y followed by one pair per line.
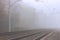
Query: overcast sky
x,y
47,6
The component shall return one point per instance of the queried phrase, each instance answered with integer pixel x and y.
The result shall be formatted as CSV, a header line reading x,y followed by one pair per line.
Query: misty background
x,y
32,14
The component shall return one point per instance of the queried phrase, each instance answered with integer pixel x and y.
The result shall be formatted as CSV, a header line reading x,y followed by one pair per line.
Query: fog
x,y
35,14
